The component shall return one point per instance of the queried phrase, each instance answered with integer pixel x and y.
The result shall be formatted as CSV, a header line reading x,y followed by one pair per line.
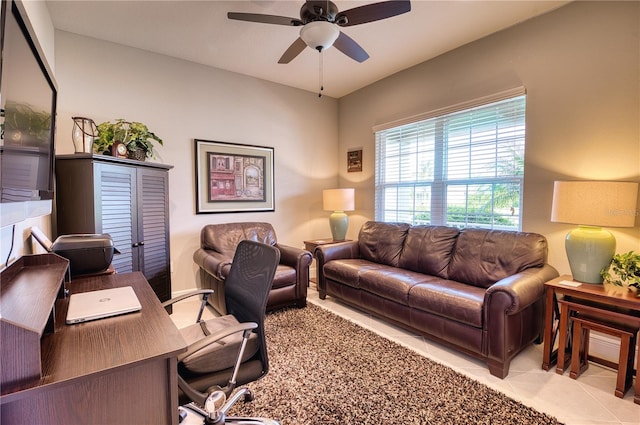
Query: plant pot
x,y
138,155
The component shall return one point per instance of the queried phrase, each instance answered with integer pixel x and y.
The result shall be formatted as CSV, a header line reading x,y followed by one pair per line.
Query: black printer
x,y
87,253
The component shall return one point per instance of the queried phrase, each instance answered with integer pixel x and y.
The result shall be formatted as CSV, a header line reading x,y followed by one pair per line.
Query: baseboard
x,y
605,346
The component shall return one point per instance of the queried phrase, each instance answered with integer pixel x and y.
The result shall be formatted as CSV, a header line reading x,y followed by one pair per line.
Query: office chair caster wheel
x,y
248,396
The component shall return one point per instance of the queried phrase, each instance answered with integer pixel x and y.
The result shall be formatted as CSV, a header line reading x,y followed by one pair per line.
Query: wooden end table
x,y
601,300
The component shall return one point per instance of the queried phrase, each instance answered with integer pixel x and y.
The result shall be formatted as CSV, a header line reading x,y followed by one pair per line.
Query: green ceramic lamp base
x,y
339,223
589,250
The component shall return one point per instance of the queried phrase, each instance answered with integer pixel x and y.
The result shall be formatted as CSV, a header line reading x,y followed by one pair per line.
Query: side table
x,y
600,300
311,246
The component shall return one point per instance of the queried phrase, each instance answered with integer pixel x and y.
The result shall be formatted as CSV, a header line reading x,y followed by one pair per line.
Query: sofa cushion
x,y
450,299
224,238
428,249
348,271
483,257
382,242
285,276
390,282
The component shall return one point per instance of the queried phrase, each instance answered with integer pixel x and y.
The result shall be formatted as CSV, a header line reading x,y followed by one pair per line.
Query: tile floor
x,y
588,400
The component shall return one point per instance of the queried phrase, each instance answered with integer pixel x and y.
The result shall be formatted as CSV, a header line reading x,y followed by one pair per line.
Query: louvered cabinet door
x,y
127,199
153,233
117,212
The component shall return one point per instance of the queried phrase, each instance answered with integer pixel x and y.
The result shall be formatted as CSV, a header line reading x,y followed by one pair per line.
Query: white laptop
x,y
94,305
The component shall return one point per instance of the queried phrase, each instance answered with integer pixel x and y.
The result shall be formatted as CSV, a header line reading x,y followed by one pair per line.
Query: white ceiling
x,y
199,31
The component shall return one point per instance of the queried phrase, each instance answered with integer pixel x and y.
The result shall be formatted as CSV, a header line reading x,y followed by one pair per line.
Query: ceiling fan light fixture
x,y
319,35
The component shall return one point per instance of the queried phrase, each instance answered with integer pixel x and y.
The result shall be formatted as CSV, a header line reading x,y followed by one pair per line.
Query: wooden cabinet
x,y
127,199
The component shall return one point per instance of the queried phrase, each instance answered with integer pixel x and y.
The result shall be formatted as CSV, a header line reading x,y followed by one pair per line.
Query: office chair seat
x,y
218,355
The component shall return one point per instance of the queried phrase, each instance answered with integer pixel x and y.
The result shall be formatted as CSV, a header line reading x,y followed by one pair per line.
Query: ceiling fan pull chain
x,y
320,75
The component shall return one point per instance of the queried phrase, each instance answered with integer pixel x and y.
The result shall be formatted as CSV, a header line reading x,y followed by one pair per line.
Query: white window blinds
x,y
463,168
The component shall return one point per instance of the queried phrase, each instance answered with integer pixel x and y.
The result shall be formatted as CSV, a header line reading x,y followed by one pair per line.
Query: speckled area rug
x,y
327,370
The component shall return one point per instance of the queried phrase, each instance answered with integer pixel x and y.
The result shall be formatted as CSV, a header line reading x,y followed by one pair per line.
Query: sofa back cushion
x,y
224,238
428,249
382,242
483,257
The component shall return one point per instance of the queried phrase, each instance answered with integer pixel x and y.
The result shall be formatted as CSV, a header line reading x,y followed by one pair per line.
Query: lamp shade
x,y
591,204
595,203
338,199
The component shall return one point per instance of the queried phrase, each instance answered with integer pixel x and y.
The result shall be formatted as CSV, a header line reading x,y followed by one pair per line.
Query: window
x,y
463,167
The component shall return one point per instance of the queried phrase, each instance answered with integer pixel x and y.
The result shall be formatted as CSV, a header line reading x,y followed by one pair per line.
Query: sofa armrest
x,y
519,290
334,251
514,315
337,251
211,262
297,258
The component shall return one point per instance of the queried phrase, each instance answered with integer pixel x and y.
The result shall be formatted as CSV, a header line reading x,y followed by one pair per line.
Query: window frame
x,y
440,185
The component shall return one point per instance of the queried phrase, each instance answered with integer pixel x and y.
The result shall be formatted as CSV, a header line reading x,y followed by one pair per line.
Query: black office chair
x,y
229,350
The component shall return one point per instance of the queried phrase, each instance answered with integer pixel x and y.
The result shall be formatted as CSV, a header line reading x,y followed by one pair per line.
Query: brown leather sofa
x,y
478,291
218,244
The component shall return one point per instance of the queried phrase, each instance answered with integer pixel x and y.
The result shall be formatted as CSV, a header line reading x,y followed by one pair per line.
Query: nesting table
x,y
605,301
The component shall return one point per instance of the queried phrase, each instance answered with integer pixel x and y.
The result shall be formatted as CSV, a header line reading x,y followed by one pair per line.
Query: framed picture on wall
x,y
231,177
354,161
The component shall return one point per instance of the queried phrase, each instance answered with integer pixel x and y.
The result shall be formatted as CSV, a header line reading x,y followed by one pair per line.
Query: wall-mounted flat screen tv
x,y
27,120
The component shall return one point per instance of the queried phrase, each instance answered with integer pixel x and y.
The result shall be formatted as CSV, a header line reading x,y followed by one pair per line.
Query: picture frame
x,y
232,177
354,160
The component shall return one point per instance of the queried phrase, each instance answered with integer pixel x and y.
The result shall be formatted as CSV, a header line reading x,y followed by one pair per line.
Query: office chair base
x,y
234,420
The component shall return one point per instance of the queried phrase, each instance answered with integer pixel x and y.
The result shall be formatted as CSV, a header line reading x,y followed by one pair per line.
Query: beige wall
x,y
181,101
580,66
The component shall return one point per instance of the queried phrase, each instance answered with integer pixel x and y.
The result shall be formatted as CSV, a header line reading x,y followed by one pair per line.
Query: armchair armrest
x,y
297,258
211,261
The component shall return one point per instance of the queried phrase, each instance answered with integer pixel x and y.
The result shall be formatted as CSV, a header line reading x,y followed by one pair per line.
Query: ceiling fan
x,y
320,21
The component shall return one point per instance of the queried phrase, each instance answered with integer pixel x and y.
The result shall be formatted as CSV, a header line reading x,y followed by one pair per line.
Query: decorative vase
x,y
138,154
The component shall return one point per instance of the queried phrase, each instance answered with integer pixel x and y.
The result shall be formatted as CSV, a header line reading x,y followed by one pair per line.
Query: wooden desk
x,y
606,301
119,370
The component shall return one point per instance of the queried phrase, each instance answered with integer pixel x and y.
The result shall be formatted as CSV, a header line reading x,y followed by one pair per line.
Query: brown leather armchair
x,y
218,243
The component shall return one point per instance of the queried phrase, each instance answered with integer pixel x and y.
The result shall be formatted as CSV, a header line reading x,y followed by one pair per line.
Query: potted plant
x,y
624,270
134,135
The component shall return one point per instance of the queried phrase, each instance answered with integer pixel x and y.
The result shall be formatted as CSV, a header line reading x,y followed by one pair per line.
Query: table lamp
x,y
338,201
590,205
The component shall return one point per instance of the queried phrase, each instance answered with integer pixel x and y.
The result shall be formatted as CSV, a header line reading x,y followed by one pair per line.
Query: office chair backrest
x,y
248,284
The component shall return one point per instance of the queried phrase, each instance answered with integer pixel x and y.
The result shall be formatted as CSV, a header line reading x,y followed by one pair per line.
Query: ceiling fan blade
x,y
349,47
264,19
293,51
372,12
